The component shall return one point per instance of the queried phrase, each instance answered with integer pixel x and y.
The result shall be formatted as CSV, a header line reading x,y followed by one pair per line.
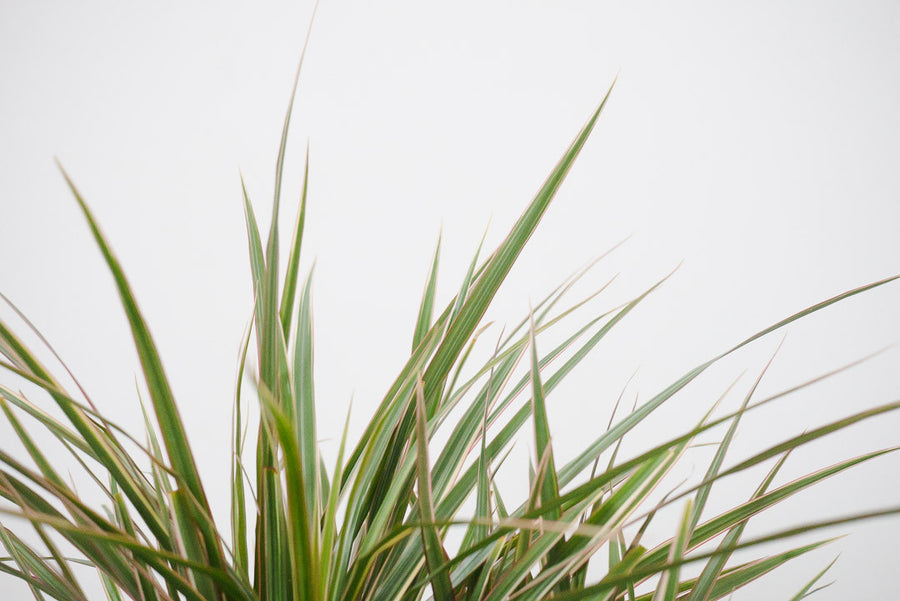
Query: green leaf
x,y
304,397
330,520
667,589
807,589
426,307
716,464
179,452
302,527
435,555
500,263
192,542
238,501
549,488
703,589
290,278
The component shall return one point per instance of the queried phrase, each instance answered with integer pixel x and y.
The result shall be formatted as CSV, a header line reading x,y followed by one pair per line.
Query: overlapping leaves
x,y
377,526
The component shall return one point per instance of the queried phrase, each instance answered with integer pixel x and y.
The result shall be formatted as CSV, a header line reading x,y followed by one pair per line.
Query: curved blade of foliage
x,y
435,555
290,278
808,588
426,307
179,452
501,262
305,403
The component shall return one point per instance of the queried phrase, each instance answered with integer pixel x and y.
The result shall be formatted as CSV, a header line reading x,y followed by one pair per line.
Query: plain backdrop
x,y
758,143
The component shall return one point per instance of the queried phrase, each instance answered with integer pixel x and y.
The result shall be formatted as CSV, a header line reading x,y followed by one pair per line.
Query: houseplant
x,y
181,516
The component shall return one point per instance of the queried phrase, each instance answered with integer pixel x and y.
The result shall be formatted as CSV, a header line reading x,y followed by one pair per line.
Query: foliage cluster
x,y
374,526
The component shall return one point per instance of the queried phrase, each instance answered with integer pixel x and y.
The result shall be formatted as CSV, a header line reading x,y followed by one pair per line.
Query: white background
x,y
758,142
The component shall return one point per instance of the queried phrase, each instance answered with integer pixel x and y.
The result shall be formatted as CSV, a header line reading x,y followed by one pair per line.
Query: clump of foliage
x,y
375,526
